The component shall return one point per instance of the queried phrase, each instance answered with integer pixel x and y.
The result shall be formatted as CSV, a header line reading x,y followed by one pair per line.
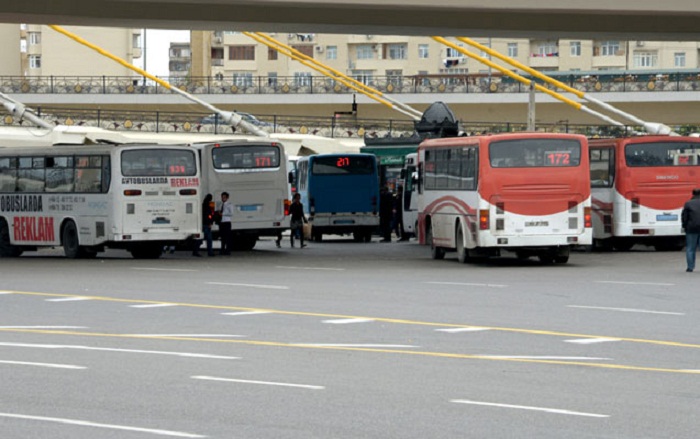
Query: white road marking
x,y
6,292
468,284
69,299
56,366
244,313
131,351
267,287
267,383
535,357
658,284
43,327
346,321
475,329
97,425
524,407
336,345
163,269
187,335
309,268
591,340
645,311
153,305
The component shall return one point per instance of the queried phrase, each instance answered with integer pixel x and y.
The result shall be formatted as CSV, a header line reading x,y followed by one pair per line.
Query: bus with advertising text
x,y
527,193
340,194
254,173
91,197
639,186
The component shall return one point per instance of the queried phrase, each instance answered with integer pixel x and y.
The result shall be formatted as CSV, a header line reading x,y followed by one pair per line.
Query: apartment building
x,y
233,54
180,58
45,52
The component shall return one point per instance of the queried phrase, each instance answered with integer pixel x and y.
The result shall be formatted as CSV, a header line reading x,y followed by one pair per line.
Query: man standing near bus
x,y
225,226
690,218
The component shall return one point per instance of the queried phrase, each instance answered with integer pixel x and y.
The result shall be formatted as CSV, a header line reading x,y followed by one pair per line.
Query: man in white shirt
x,y
225,225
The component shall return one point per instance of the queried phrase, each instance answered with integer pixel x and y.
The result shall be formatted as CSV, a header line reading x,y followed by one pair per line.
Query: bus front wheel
x,y
435,252
7,250
462,251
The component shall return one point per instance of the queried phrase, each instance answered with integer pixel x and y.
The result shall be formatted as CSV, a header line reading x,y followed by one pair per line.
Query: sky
x,y
156,43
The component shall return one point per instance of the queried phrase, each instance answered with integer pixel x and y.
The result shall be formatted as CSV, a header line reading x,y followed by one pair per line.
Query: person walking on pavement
x,y
225,226
386,207
690,219
297,220
207,222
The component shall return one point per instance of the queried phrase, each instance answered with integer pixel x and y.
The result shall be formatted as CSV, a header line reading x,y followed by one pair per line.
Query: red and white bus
x,y
527,193
91,197
639,186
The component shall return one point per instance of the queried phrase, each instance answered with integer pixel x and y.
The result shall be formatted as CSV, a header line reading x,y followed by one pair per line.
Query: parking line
x,y
267,383
644,311
524,407
310,268
153,305
97,425
657,284
346,321
69,299
131,351
468,284
52,365
591,340
268,287
244,313
452,330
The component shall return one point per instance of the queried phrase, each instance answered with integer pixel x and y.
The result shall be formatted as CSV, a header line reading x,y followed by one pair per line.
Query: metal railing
x,y
436,84
345,126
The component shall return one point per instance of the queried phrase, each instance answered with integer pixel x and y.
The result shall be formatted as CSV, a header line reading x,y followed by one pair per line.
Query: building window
x,y
241,53
302,79
423,51
397,51
135,41
34,38
513,50
306,49
609,48
272,79
35,61
331,52
575,48
271,54
453,53
547,48
646,59
243,79
365,51
679,59
364,76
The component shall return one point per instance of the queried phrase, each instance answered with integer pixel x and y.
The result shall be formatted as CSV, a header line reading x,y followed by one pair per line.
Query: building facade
x,y
233,54
45,52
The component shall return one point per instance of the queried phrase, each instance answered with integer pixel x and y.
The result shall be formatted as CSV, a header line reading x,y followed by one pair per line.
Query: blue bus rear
x,y
340,193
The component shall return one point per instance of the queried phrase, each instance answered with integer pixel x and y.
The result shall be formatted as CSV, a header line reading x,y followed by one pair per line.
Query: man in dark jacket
x,y
690,218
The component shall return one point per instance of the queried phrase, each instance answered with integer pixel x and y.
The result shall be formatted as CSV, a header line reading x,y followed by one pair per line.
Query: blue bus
x,y
340,193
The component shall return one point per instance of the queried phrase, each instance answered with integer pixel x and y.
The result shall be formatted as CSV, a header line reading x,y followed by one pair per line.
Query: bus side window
x,y
8,174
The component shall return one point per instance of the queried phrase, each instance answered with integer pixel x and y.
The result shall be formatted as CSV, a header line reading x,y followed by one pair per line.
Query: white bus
x,y
528,193
254,173
91,197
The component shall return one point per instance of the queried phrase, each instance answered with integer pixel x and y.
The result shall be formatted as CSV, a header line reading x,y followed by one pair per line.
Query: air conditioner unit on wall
x,y
319,49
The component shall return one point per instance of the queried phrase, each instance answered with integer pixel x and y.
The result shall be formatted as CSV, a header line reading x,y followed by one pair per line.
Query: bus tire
x,y
546,258
368,236
244,243
462,251
7,250
562,255
435,252
71,240
358,236
146,251
317,236
623,245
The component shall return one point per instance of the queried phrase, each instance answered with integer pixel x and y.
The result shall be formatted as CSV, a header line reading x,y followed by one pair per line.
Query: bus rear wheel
x,y
71,243
244,243
7,250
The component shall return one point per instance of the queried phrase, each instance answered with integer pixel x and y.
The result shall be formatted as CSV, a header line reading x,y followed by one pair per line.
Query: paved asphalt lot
x,y
349,340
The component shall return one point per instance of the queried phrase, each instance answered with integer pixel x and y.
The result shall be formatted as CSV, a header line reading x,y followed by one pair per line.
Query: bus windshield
x,y
535,153
343,165
662,154
158,162
246,157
